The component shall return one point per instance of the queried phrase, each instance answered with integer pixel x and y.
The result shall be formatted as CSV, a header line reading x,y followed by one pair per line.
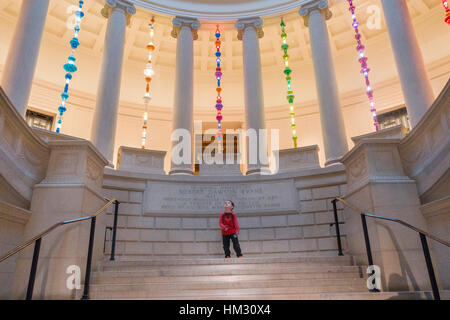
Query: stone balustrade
x,y
23,156
425,152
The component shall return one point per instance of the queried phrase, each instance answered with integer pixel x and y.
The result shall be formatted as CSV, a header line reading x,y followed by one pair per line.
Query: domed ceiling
x,y
94,28
219,9
57,35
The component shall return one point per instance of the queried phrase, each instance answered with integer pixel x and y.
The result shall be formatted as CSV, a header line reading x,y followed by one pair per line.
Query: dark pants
x,y
226,244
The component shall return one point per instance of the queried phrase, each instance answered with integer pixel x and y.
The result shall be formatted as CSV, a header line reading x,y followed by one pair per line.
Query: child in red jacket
x,y
228,222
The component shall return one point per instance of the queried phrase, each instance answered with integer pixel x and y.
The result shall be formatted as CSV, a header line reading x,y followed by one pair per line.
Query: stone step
x,y
177,271
225,284
144,277
128,292
138,257
418,295
252,262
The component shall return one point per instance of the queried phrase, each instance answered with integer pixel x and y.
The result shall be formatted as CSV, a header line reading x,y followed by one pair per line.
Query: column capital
x,y
255,22
320,5
125,5
180,22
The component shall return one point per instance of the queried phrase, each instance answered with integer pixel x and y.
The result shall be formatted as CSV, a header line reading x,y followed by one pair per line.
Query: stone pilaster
x,y
72,189
377,184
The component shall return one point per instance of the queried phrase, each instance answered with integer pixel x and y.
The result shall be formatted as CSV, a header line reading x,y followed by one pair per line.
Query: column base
x,y
258,171
330,162
181,172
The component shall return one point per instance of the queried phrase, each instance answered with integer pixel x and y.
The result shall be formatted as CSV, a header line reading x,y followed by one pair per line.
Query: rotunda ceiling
x,y
219,9
94,28
426,15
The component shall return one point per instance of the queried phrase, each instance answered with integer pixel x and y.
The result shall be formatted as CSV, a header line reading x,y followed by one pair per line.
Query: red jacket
x,y
229,220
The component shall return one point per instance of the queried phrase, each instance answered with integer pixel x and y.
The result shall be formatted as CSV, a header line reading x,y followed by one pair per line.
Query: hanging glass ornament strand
x,y
287,71
148,73
219,105
447,11
363,61
70,66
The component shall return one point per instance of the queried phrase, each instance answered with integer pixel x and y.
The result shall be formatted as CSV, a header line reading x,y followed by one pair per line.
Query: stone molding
x,y
255,22
180,22
233,10
396,132
425,151
23,155
141,160
13,213
321,5
47,135
436,208
126,6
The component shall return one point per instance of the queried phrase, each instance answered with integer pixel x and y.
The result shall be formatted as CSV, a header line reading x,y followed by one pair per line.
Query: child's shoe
x,y
227,257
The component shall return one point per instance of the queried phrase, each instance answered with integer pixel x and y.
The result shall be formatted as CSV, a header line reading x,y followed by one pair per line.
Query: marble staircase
x,y
255,278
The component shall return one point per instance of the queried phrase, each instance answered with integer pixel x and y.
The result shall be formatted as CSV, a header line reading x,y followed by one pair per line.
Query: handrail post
x,y
113,243
426,253
336,222
87,278
104,240
37,248
368,249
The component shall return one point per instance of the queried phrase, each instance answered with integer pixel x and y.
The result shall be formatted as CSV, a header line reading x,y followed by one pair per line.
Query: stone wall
x,y
12,222
302,225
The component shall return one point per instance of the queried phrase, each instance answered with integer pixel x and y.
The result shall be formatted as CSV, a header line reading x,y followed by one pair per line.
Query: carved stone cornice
x,y
256,23
180,22
320,5
127,7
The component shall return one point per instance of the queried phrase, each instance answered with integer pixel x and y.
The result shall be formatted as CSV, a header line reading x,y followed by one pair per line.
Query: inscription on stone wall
x,y
209,197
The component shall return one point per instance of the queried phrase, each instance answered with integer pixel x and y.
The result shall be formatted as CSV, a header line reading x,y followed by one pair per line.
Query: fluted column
x,y
250,31
23,53
414,79
185,31
118,13
315,13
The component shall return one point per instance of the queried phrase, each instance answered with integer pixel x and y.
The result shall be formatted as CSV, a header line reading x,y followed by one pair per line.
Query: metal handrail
x,y
406,224
37,241
423,238
47,231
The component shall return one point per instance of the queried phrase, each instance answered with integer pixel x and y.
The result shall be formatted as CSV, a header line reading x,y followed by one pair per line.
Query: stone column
x,y
315,13
23,53
185,31
250,31
411,68
119,13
